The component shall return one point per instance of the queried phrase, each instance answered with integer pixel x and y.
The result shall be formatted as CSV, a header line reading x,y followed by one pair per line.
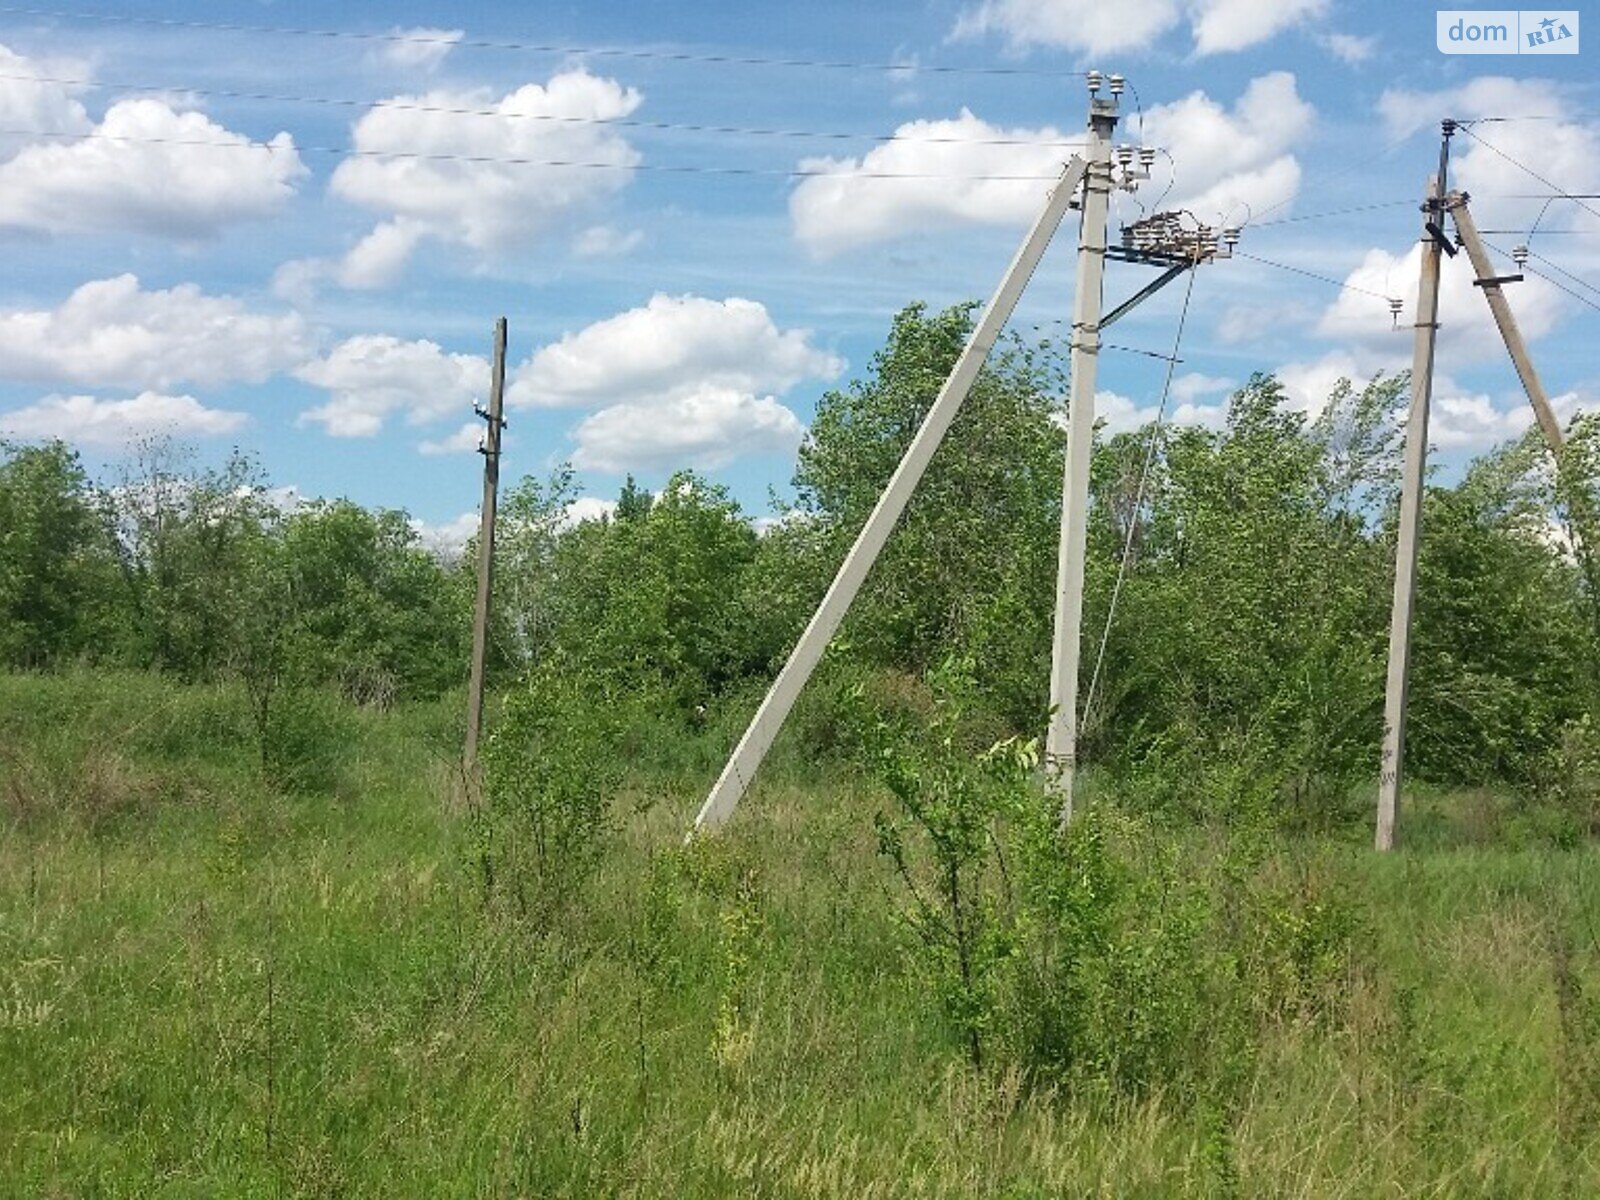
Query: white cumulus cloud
x,y
1087,26
1467,330
1090,27
1116,413
420,49
1350,49
679,381
374,376
91,421
1557,142
30,99
1222,25
1229,163
147,167
589,508
488,191
848,202
113,332
446,539
465,440
670,344
706,428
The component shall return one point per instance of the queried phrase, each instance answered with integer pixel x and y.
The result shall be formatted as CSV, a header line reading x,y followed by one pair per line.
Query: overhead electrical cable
x,y
400,105
448,41
513,160
1328,279
1138,499
1576,198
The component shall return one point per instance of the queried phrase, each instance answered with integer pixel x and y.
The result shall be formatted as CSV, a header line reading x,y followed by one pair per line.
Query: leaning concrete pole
x,y
1509,332
1061,739
803,659
1416,462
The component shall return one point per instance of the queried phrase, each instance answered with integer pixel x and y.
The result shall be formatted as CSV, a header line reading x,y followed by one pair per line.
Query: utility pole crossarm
x,y
1489,284
753,746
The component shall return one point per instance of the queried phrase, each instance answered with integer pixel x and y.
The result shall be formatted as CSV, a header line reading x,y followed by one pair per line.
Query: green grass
x,y
212,988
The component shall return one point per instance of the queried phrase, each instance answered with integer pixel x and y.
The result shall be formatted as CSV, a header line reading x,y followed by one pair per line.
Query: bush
x,y
306,743
551,770
1096,956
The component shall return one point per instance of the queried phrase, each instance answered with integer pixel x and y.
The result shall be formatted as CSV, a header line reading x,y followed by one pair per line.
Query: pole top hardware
x,y
1169,237
1438,235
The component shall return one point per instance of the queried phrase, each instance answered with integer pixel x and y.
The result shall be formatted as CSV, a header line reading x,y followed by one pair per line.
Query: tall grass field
x,y
329,979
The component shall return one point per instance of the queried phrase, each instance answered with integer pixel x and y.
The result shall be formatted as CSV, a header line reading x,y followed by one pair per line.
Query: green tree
x,y
58,597
972,563
187,537
372,611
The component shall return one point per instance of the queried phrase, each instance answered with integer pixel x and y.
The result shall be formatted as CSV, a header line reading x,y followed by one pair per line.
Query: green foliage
x,y
551,770
971,566
1252,624
1093,957
370,611
57,560
952,804
653,601
1272,1015
306,744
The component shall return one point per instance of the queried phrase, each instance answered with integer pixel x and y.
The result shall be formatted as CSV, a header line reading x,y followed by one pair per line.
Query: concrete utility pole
x,y
1061,740
1509,332
1416,461
803,659
490,449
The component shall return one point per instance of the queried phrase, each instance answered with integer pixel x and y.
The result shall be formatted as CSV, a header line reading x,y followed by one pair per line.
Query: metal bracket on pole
x,y
753,746
1143,294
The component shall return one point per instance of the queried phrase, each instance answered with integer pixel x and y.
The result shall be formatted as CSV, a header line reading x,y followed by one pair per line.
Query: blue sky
x,y
191,247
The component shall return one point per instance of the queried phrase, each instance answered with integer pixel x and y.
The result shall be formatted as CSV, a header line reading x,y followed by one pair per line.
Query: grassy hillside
x,y
220,980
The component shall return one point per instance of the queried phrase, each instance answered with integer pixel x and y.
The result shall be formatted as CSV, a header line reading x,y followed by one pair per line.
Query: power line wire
x,y
1352,165
1138,501
1575,198
394,36
396,105
244,143
1555,283
1347,287
1557,267
1334,212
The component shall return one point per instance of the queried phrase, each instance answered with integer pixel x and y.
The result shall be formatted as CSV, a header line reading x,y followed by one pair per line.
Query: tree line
x,y
1247,646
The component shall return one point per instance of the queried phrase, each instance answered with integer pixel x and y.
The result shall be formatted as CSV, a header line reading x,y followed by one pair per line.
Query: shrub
x,y
306,742
551,770
1097,956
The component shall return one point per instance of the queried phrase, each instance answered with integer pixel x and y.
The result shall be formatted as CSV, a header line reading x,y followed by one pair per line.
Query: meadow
x,y
216,984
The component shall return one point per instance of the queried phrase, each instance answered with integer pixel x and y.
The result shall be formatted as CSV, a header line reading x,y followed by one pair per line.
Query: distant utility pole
x,y
1434,243
490,449
1061,739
